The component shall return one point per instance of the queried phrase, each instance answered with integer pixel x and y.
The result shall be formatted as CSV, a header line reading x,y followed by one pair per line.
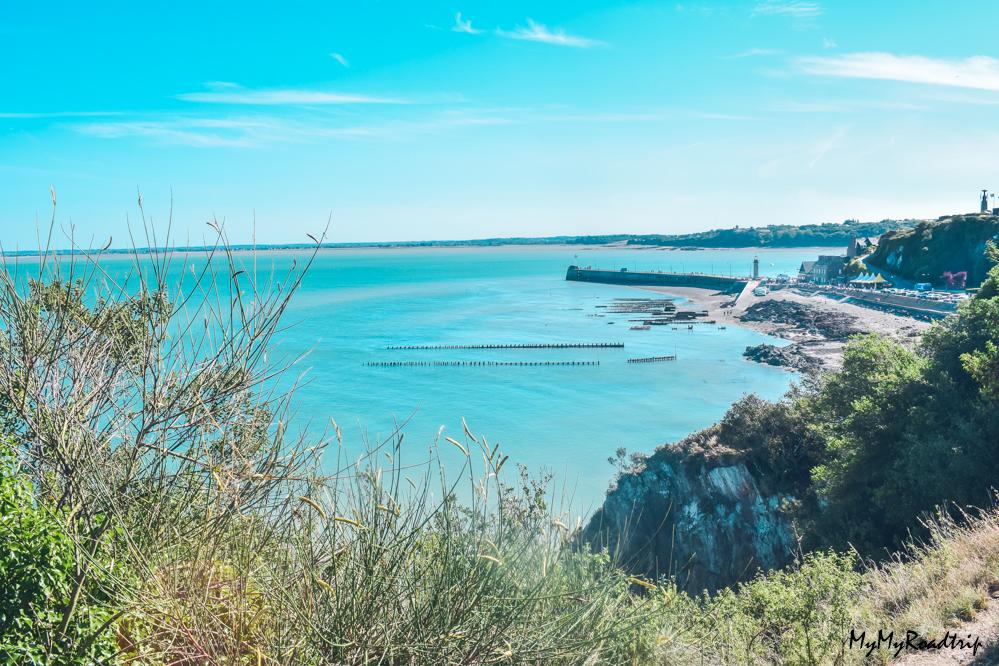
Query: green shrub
x,y
36,576
796,616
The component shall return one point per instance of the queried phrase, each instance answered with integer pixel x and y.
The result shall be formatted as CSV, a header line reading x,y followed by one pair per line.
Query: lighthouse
x,y
985,202
756,268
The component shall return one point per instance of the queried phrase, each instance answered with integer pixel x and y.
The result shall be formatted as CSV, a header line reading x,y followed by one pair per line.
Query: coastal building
x,y
985,202
805,272
827,269
853,249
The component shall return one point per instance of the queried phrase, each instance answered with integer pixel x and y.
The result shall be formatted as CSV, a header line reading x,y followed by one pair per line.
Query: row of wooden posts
x,y
393,364
545,345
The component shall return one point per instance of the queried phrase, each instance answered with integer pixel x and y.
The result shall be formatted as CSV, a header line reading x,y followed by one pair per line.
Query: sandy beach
x,y
724,309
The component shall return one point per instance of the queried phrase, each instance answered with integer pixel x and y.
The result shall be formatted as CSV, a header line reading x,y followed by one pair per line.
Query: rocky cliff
x,y
926,252
708,512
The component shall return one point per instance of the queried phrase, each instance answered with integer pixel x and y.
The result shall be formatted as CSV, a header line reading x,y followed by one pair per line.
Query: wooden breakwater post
x,y
539,345
653,359
400,364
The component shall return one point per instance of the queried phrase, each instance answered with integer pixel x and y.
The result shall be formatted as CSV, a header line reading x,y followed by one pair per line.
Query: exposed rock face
x,y
695,510
791,356
930,249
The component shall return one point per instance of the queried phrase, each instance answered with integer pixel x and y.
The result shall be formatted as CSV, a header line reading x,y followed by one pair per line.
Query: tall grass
x,y
145,414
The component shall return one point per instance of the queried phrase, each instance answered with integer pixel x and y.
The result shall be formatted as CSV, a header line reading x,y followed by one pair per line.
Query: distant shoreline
x,y
415,245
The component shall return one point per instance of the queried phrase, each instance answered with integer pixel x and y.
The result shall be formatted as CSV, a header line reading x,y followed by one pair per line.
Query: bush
x,y
797,616
36,579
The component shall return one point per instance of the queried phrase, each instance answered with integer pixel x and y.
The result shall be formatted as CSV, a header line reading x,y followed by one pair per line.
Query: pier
x,y
396,364
722,283
551,345
653,359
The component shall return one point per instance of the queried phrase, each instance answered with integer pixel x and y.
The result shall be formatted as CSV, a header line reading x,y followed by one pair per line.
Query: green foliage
x,y
777,235
36,578
854,268
797,616
925,251
125,322
775,438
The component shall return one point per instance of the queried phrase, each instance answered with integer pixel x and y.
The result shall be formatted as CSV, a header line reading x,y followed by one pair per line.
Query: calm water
x,y
566,420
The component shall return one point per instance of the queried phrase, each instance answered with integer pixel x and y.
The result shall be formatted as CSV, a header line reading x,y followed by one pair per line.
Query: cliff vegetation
x,y
948,252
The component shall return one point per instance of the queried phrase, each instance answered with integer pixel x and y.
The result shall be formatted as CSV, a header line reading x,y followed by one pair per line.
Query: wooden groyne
x,y
551,345
653,359
398,364
720,283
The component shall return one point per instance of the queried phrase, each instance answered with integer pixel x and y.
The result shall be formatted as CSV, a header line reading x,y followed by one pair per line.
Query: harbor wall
x,y
645,279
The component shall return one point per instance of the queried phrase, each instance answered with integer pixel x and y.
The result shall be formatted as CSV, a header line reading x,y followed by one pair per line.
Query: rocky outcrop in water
x,y
708,513
795,357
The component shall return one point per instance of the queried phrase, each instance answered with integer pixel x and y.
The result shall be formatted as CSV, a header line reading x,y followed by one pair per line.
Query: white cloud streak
x,y
977,72
283,97
797,9
751,53
198,133
339,57
465,26
31,115
823,147
536,32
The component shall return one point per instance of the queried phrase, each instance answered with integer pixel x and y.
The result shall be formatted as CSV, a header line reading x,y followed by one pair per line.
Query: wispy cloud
x,y
797,9
340,59
462,25
709,115
41,115
843,106
536,32
200,133
751,53
283,97
828,43
221,85
268,129
977,72
823,147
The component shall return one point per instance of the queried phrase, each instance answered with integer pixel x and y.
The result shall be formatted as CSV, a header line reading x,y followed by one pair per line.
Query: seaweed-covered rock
x,y
817,321
791,356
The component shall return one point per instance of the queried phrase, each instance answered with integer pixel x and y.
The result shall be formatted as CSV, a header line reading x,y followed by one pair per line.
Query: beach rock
x,y
696,511
829,324
795,357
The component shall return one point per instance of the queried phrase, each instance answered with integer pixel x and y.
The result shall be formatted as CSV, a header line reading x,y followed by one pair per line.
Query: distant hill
x,y
778,235
774,235
931,248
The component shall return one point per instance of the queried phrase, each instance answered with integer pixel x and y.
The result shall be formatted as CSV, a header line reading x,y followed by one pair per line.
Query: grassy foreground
x,y
155,508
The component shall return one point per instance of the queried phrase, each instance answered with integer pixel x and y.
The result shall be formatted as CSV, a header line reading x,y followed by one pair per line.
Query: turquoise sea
x,y
566,420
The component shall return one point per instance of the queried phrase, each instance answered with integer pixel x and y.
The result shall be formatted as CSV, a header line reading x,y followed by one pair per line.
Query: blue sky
x,y
474,119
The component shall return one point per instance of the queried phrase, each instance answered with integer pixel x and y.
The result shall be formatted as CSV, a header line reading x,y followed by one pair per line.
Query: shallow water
x,y
566,420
